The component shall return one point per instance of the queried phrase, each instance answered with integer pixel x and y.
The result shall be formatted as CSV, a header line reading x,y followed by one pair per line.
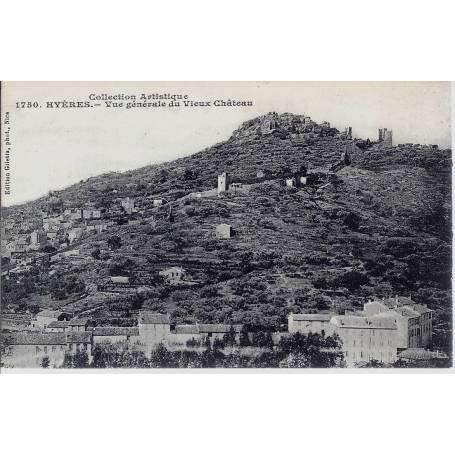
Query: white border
x,y
225,413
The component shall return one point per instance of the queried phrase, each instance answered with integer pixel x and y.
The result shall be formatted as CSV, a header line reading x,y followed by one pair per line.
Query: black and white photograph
x,y
226,225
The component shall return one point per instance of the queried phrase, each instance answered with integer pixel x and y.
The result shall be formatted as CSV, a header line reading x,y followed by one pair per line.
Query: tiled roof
x,y
78,322
114,331
57,325
79,337
407,311
392,302
417,354
422,309
31,338
312,317
187,329
218,328
147,317
361,322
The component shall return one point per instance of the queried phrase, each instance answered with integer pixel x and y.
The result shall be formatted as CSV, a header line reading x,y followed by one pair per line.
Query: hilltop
x,y
378,226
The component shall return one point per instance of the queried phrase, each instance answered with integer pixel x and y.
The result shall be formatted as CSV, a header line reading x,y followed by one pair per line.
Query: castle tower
x,y
223,183
388,138
380,135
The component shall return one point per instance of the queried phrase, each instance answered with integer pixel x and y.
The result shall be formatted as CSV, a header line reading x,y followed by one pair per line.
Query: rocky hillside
x,y
379,226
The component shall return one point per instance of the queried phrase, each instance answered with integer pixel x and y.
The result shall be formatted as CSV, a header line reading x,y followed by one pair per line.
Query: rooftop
x,y
312,317
79,337
30,338
218,328
78,322
187,329
146,317
420,354
114,331
361,322
58,325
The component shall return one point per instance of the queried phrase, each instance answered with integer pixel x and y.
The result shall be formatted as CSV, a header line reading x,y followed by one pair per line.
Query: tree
x,y
244,338
96,253
218,344
80,360
45,362
314,350
161,357
352,220
229,339
263,339
114,242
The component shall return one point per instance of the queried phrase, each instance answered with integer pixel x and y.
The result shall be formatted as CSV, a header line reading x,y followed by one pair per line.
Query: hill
x,y
378,226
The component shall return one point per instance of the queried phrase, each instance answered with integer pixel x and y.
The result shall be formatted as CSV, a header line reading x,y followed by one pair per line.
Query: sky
x,y
52,148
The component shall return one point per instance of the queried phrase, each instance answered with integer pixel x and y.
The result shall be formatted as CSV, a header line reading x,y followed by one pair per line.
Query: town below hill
x,y
286,217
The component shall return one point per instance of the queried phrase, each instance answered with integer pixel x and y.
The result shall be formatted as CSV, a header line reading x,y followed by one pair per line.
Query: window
x,y
45,349
37,349
53,348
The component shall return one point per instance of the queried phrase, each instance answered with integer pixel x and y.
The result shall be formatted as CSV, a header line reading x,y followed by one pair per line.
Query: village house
x,y
57,326
28,349
38,238
128,205
79,342
78,325
224,231
236,188
291,182
154,328
311,323
120,280
32,349
45,317
173,275
21,258
75,234
88,214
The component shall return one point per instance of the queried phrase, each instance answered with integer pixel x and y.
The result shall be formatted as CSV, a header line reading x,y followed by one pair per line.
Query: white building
x,y
224,231
415,322
154,328
128,205
362,338
173,275
45,317
365,339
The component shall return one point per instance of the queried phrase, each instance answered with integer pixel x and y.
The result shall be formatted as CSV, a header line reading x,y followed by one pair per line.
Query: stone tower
x,y
223,183
388,138
385,137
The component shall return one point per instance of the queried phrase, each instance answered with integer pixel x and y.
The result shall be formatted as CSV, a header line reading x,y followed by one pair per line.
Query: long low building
x,y
31,349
